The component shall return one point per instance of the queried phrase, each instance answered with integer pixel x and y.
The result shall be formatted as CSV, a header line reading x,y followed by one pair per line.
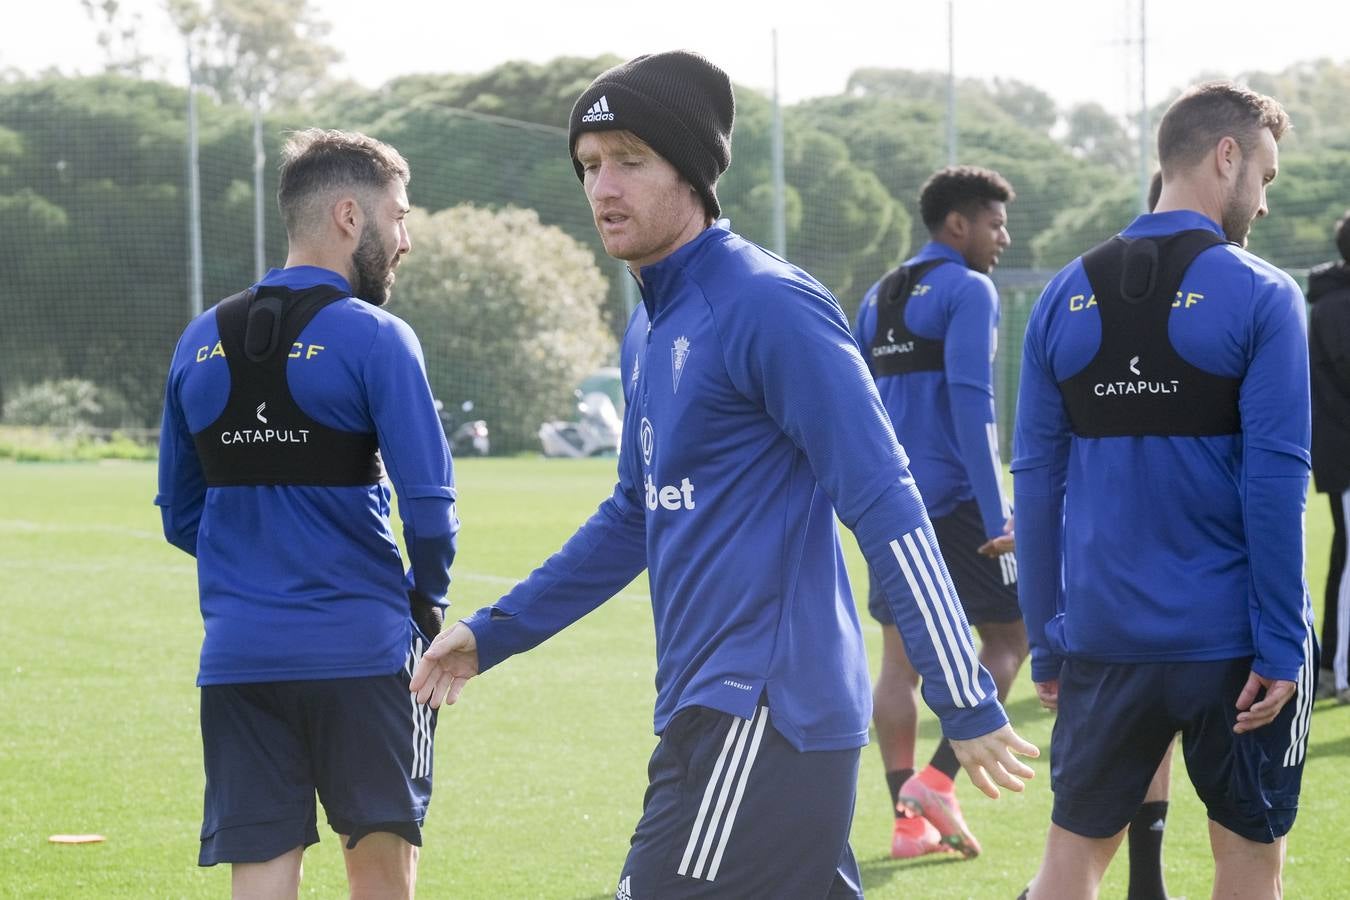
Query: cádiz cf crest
x,y
679,355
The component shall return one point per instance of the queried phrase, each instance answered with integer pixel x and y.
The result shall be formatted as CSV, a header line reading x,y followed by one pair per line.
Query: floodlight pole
x,y
194,197
259,161
951,85
779,188
1144,130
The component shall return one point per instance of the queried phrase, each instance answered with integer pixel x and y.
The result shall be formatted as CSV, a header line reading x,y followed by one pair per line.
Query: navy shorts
x,y
734,810
987,587
1116,720
364,744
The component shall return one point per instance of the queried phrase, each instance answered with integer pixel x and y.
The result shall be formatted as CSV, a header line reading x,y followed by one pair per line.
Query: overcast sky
x,y
1075,51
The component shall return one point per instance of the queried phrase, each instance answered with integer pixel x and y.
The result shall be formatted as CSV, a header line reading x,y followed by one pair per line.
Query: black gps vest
x,y
1138,384
895,349
263,437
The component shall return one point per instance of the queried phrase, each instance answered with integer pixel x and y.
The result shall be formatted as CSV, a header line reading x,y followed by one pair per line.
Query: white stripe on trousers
x,y
736,760
1298,727
421,720
1339,660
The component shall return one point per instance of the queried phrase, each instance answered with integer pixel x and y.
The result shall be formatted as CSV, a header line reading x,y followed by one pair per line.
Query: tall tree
x,y
118,34
256,52
1095,135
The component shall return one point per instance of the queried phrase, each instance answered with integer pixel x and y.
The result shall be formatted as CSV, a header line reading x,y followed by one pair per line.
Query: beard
x,y
1238,212
374,269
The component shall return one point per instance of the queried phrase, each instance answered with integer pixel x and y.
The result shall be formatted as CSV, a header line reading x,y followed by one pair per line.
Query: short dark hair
x,y
962,189
317,161
1207,113
1343,236
1154,190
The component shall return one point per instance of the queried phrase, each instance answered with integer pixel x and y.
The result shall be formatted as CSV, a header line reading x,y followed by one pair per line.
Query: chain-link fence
x,y
95,256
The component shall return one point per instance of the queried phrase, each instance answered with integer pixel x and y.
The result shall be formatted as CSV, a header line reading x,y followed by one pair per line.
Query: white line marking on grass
x,y
187,566
21,526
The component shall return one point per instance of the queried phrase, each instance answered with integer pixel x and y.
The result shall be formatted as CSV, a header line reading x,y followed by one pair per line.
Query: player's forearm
x,y
597,562
1039,538
430,529
897,540
180,527
977,434
1274,514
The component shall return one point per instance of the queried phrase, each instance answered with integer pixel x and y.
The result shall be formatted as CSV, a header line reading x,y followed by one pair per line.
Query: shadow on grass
x,y
1324,712
879,870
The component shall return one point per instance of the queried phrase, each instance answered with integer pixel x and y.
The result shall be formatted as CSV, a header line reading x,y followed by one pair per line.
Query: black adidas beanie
x,y
678,102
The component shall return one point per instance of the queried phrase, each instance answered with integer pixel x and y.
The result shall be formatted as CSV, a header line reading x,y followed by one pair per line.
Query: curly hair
x,y
963,189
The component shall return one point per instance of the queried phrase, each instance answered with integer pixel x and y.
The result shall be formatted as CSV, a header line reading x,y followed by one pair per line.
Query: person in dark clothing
x,y
1329,365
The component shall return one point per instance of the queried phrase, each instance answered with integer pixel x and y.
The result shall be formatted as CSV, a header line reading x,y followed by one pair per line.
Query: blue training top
x,y
945,418
752,419
1166,548
306,582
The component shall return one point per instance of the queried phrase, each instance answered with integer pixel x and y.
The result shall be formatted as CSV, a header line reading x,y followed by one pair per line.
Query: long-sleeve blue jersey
x,y
306,582
945,418
752,419
1169,548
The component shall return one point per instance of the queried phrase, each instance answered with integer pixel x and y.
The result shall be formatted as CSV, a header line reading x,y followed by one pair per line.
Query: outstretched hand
x,y
445,667
989,758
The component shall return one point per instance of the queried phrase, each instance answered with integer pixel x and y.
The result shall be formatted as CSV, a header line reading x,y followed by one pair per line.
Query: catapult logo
x,y
264,435
1135,386
891,348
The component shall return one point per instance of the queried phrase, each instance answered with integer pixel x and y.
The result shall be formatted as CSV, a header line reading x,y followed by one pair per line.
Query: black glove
x,y
426,615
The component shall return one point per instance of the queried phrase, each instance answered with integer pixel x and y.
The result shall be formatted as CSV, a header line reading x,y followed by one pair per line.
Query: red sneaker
x,y
914,836
941,809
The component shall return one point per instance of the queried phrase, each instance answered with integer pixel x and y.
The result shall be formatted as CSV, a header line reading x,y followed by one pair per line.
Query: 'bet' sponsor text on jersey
x,y
669,496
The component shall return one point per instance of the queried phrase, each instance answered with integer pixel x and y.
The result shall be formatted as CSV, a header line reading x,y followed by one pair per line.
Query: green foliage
x,y
1006,100
66,403
79,444
509,314
1077,229
1094,135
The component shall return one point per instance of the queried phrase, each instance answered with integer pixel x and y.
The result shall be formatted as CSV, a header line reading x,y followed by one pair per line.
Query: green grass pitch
x,y
540,769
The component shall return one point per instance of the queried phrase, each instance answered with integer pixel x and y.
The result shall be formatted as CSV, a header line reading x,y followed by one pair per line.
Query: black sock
x,y
894,780
1146,839
944,760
